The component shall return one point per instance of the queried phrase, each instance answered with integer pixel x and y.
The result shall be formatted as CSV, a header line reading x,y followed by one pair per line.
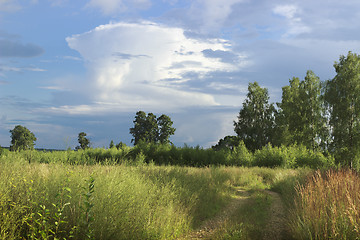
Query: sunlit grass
x,y
73,196
127,202
328,206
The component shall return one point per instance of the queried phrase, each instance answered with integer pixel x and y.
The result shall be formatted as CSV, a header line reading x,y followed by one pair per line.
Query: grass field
x,y
145,201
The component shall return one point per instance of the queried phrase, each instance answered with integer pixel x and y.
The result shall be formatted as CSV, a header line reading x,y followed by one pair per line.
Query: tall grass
x,y
328,206
257,177
125,194
47,201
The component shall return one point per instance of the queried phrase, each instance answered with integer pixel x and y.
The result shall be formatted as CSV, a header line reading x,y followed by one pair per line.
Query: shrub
x,y
270,156
307,158
240,156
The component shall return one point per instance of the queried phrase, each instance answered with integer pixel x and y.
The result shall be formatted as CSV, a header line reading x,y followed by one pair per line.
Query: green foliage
x,y
272,157
165,154
312,159
342,95
165,129
22,139
83,141
240,156
255,123
111,145
300,119
88,218
227,143
121,145
291,157
148,128
47,222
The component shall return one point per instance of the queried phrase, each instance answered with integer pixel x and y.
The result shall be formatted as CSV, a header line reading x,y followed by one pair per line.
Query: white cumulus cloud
x,y
133,65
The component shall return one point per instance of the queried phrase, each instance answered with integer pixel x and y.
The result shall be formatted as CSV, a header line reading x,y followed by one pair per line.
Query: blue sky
x,y
90,65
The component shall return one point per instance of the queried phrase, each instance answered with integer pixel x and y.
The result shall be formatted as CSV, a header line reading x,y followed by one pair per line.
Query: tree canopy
x,y
83,141
228,142
300,117
111,145
165,129
22,138
148,128
342,95
256,119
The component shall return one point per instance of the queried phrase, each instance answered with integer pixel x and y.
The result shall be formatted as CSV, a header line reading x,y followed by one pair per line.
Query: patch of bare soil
x,y
209,226
275,228
276,225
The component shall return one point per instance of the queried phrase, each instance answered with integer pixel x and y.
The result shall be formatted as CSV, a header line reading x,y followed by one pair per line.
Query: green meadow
x,y
58,195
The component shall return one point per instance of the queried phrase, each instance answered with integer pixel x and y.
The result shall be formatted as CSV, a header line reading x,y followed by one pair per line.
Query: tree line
x,y
320,115
147,128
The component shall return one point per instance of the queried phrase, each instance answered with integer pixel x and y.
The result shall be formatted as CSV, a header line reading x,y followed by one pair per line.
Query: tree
x,y
227,143
148,128
342,95
152,128
21,139
300,119
112,145
120,145
165,129
83,141
256,120
139,130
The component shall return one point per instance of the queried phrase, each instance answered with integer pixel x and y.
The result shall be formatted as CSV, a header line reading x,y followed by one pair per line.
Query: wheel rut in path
x,y
276,225
275,228
210,225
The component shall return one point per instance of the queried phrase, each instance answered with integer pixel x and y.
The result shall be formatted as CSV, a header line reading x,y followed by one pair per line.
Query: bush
x,y
270,156
291,157
240,156
315,160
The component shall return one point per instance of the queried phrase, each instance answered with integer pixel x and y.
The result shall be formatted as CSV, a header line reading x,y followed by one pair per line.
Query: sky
x,y
89,65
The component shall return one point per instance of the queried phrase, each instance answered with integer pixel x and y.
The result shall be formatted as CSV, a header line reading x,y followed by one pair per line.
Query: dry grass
x,y
328,206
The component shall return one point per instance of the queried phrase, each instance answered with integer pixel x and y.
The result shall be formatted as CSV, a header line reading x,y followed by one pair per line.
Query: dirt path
x,y
276,228
209,226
